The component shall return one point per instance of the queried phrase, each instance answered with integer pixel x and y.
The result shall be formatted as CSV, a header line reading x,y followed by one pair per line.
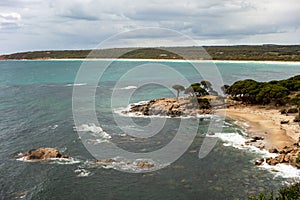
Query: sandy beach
x,y
265,122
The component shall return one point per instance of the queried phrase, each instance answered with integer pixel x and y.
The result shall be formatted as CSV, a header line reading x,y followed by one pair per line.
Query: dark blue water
x,y
36,111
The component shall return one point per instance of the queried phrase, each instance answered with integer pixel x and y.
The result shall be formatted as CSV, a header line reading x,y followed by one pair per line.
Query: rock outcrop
x,y
172,107
42,154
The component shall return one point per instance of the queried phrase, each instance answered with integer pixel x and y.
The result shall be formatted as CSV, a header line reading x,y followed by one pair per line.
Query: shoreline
x,y
265,122
160,60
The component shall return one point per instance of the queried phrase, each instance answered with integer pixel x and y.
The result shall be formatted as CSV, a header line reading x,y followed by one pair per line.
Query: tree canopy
x,y
253,92
196,90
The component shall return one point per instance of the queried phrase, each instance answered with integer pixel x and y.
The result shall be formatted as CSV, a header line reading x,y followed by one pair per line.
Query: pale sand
x,y
260,121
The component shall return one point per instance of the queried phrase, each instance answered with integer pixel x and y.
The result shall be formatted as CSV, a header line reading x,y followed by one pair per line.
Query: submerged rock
x,y
42,154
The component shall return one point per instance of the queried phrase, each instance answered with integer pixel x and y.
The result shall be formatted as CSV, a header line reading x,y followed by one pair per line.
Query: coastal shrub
x,y
262,196
291,192
295,101
204,103
298,159
286,193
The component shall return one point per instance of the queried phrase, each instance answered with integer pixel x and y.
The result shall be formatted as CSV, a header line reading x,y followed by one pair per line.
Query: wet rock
x,y
259,162
43,154
144,164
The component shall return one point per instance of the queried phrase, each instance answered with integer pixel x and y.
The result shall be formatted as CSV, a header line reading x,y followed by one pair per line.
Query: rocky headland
x,y
172,107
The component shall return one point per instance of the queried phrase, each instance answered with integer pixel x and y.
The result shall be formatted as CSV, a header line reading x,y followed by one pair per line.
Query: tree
x,y
207,85
178,88
196,90
270,92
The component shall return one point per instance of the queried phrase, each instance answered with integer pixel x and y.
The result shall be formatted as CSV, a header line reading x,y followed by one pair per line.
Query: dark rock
x,y
259,162
257,138
284,122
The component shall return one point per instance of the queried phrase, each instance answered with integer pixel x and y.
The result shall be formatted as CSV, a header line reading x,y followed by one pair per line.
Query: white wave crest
x,y
60,161
130,87
82,172
238,141
94,129
76,84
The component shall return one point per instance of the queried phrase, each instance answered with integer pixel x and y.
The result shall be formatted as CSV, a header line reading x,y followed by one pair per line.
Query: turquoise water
x,y
36,111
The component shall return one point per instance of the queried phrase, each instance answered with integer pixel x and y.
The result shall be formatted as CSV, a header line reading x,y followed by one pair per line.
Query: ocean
x,y
36,110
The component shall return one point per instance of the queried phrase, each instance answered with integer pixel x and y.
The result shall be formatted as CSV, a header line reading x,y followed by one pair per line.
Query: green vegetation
x,y
286,193
263,93
195,89
240,52
298,159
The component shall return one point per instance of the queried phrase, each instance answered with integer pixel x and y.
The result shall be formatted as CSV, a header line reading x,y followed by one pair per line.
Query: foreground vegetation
x,y
241,52
286,193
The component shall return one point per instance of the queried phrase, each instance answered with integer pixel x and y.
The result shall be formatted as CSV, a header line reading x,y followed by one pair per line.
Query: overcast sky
x,y
81,24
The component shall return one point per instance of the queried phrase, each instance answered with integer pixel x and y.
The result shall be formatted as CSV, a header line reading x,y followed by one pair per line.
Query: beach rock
x,y
273,150
43,154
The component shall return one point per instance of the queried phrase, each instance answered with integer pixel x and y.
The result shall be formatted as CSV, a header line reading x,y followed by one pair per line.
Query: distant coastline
x,y
282,53
161,60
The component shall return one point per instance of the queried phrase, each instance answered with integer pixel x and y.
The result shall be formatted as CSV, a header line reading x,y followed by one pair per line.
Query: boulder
x,y
273,150
43,154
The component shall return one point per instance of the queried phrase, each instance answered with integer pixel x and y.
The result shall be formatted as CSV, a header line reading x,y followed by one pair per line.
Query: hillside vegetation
x,y
241,52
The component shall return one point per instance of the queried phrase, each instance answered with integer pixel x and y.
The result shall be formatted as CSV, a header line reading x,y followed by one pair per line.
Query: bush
x,y
286,193
298,159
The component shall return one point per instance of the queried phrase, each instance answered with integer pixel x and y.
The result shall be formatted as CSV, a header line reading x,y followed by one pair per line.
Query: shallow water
x,y
36,111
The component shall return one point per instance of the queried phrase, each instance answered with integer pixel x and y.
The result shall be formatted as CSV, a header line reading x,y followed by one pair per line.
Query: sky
x,y
29,25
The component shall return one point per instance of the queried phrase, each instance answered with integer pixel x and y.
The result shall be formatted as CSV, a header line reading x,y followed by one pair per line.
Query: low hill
x,y
240,52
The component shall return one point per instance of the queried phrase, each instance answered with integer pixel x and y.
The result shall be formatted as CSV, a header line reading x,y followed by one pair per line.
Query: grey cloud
x,y
79,14
82,23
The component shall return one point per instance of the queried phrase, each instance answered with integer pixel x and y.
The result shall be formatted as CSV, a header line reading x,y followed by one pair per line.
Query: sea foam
x,y
237,140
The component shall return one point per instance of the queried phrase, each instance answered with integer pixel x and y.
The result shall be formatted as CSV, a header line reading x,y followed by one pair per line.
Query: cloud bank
x,y
81,24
